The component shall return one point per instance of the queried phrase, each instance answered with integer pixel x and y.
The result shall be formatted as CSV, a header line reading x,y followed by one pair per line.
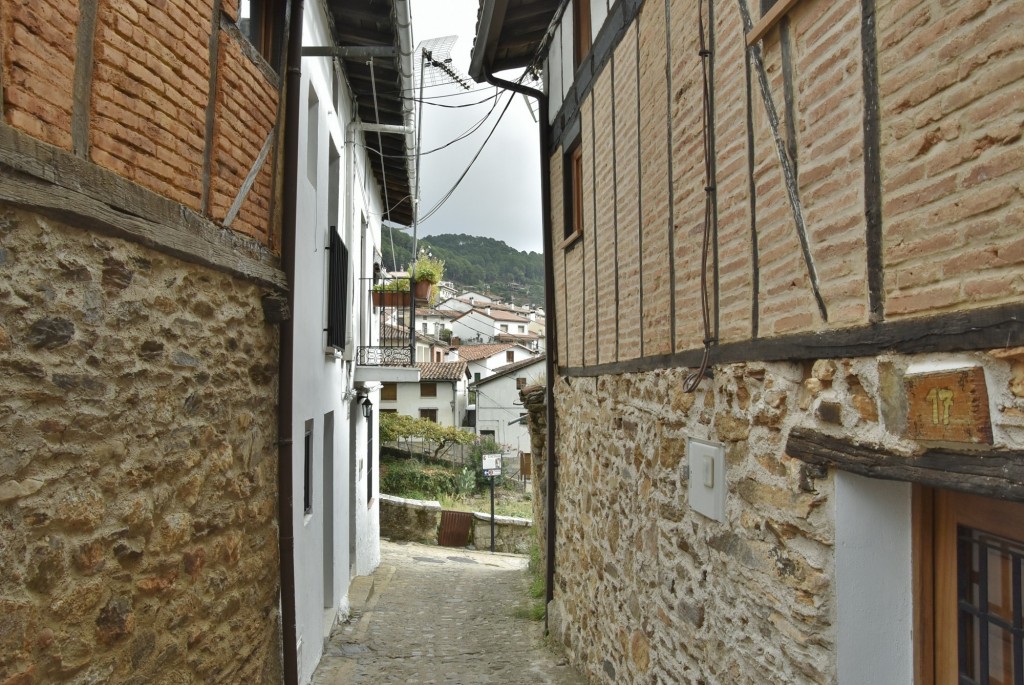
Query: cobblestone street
x,y
442,615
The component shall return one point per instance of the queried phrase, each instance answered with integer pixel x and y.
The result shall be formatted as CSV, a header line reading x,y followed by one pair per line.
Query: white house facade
x,y
439,396
499,410
335,516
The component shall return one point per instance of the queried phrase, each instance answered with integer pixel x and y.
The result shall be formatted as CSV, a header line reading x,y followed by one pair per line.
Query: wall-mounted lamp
x,y
367,407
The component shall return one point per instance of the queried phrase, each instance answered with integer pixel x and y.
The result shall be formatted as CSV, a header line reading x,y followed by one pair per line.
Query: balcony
x,y
393,359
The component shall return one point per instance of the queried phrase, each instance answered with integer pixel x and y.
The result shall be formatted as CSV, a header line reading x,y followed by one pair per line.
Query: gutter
x,y
550,329
286,533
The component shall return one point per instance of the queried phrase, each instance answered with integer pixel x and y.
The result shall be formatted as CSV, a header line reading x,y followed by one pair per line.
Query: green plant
x,y
428,269
413,479
467,481
395,285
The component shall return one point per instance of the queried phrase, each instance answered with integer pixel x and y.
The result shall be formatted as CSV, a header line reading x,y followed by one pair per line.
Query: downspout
x,y
550,330
286,534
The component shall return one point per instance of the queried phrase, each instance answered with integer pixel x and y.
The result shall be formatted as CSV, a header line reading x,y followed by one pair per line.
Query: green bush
x,y
413,479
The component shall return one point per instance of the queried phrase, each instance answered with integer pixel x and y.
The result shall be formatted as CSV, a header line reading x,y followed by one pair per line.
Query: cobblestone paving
x,y
443,615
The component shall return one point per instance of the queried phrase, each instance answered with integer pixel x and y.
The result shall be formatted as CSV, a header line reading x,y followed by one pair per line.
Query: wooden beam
x,y
989,472
769,20
42,178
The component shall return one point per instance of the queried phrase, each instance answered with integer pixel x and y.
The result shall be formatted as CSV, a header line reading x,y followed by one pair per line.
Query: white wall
x,y
327,537
874,581
473,325
409,402
497,403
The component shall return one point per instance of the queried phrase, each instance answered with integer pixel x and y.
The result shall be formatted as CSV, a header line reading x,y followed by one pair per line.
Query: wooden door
x,y
978,589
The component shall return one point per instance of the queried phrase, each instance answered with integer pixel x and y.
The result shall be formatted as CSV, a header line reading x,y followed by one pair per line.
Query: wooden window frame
x,y
389,392
583,36
429,413
572,168
510,356
428,389
266,29
772,17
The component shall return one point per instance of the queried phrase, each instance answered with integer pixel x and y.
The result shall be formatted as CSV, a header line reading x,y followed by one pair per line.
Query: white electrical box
x,y
707,487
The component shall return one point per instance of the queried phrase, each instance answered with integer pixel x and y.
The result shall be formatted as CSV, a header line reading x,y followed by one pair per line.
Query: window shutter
x,y
337,291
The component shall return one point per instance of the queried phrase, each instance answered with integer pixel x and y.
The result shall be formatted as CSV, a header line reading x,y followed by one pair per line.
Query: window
x,y
262,22
389,392
522,329
337,291
504,328
510,356
424,328
476,376
520,383
428,389
573,189
581,31
437,356
973,591
307,470
429,414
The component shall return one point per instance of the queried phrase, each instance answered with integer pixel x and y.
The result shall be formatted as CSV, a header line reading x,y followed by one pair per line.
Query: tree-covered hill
x,y
475,263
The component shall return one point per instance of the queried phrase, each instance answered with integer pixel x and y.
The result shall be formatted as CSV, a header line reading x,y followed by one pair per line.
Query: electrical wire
x,y
692,381
433,210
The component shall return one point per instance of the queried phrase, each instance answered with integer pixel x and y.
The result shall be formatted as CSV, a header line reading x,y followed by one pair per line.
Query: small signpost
x,y
492,468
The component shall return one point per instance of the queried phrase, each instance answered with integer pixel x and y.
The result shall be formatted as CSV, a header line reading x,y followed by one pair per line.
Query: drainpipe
x,y
550,331
286,533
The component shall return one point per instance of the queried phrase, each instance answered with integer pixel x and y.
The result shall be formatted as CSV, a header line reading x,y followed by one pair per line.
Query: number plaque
x,y
949,406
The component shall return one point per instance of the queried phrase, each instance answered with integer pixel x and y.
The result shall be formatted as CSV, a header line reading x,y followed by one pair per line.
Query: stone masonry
x,y
137,467
648,591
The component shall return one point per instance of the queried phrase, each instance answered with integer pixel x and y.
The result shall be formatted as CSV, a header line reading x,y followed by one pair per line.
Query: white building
x,y
439,396
499,409
340,206
483,360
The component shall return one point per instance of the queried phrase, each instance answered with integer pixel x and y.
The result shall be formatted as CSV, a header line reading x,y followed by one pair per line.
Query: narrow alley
x,y
442,615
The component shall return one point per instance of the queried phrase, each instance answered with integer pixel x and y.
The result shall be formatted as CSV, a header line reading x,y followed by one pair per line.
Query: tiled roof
x,y
511,368
472,353
442,371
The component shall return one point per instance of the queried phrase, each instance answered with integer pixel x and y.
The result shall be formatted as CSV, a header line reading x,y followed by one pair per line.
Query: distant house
x,y
498,408
486,324
439,396
484,360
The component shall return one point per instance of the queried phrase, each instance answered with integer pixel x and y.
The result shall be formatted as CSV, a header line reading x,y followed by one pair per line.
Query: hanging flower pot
x,y
422,289
390,298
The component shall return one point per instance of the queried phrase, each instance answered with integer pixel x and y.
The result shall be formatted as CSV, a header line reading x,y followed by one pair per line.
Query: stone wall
x,y
649,591
409,519
533,398
512,535
138,465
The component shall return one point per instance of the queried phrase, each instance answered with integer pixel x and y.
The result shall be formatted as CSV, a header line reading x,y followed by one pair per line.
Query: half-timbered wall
x,y
865,250
138,450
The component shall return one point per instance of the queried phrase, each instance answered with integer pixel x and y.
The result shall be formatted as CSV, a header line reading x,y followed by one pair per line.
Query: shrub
x,y
411,478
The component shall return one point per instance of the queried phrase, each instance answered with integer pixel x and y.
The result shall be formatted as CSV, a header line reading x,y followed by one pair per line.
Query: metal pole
x,y
492,513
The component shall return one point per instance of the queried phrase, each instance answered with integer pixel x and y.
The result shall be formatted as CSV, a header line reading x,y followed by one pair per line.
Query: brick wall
x,y
138,476
150,89
605,277
39,67
240,132
950,81
952,167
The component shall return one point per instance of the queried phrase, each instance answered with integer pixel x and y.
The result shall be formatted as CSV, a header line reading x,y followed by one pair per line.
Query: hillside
x,y
475,263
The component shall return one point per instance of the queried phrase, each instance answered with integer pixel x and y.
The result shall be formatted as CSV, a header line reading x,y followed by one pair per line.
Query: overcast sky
x,y
500,196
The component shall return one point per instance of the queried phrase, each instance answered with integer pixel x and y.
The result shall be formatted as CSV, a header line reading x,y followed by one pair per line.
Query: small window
x,y
520,383
582,37
476,377
510,356
337,291
262,22
389,392
504,327
424,325
428,389
437,356
522,329
573,188
429,414
307,470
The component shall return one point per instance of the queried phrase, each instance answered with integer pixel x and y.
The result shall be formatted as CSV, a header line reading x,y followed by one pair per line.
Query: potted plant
x,y
428,271
393,293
